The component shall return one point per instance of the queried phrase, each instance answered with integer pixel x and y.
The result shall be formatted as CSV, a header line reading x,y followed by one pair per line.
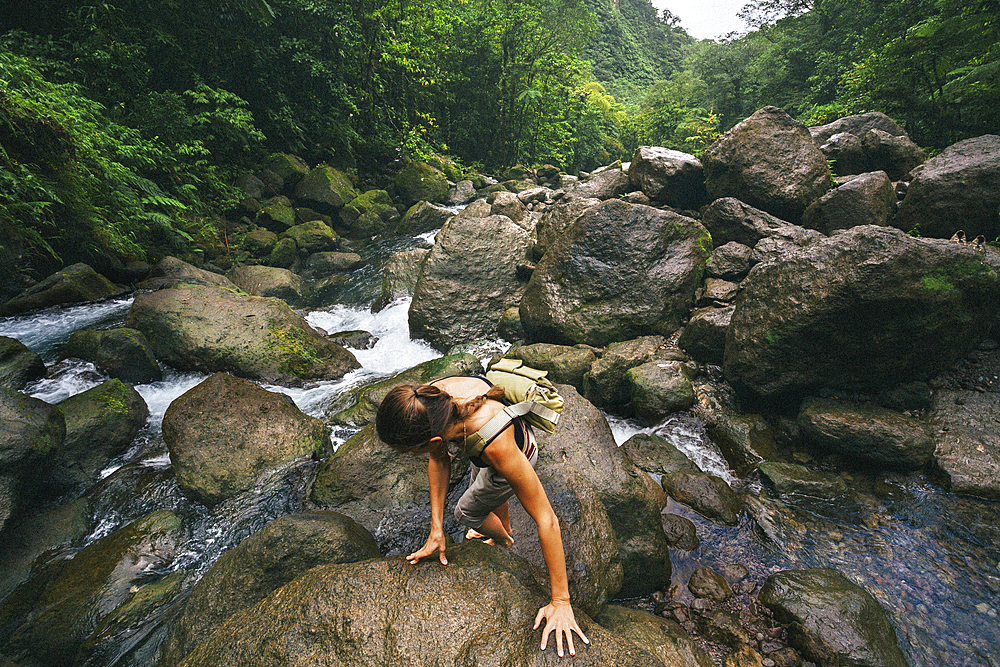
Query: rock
x,y
276,214
325,189
419,181
121,353
78,283
379,209
584,443
357,339
730,261
606,386
717,291
785,479
608,184
284,255
966,431
564,364
260,564
399,276
655,455
857,125
322,263
468,280
729,219
769,161
743,656
866,308
538,195
18,364
171,271
252,186
704,336
31,437
745,440
668,177
723,627
362,613
268,281
101,423
869,199
225,432
51,628
782,243
869,435
260,242
708,495
593,564
461,193
659,388
509,328
847,154
312,236
212,329
620,271
556,220
290,168
958,189
895,155
785,657
662,638
707,583
425,217
477,209
840,613
365,400
508,204
681,532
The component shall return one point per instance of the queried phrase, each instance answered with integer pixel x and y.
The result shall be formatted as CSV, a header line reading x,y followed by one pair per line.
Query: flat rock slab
x,y
967,438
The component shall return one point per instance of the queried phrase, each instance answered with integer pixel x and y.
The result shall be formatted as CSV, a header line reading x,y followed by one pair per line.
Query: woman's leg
x,y
493,528
503,513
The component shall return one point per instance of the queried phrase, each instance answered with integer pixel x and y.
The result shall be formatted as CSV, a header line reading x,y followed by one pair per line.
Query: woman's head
x,y
411,415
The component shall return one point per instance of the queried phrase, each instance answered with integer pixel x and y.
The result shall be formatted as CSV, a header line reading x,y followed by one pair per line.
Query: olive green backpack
x,y
531,396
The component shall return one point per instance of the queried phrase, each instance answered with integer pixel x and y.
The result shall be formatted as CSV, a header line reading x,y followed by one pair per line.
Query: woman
x,y
422,419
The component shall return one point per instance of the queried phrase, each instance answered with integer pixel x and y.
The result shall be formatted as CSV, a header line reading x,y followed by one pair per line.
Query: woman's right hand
x,y
435,543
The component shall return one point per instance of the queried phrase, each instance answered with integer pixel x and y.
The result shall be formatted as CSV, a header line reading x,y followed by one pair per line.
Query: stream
x,y
932,559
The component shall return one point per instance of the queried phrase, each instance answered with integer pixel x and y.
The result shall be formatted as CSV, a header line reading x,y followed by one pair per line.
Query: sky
x,y
705,19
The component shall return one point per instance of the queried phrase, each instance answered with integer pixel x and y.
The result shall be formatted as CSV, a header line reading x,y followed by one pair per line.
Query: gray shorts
x,y
488,490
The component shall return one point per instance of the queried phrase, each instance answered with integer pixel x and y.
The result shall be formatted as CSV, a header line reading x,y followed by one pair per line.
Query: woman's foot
x,y
473,534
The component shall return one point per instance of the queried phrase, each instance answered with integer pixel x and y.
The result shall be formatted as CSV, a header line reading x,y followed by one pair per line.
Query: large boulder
x,y
18,364
864,309
663,638
101,423
225,432
312,236
122,353
659,388
870,435
868,199
556,219
895,155
857,125
510,205
399,276
668,177
729,261
260,564
846,153
966,430
469,279
419,181
368,214
212,329
835,612
78,283
564,364
52,626
769,161
606,184
655,455
784,479
424,217
704,336
326,190
958,189
171,271
31,433
276,214
618,272
728,219
290,168
606,385
268,281
387,611
708,495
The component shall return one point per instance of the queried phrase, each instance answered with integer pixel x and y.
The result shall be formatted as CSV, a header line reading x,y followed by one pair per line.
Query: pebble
x,y
767,662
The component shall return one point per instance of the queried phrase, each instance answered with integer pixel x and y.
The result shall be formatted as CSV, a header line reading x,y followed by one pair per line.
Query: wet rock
x,y
871,435
101,423
769,161
276,214
606,385
704,336
745,440
655,455
171,271
556,220
285,254
659,388
840,613
620,271
608,184
78,283
425,217
863,309
312,236
857,125
357,339
461,193
18,364
368,214
326,190
708,495
868,199
895,155
730,261
367,398
728,219
51,628
260,564
399,276
508,204
32,435
668,177
958,189
734,572
268,281
662,638
717,625
846,152
681,532
419,181
212,329
122,353
477,209
509,328
743,656
564,364
707,583
717,291
225,432
468,280
966,432
322,263
387,610
789,478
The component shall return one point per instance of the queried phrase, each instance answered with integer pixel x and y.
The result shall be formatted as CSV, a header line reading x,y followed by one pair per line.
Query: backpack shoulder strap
x,y
501,419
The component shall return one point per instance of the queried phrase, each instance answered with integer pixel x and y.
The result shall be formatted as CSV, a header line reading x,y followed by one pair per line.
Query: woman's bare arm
x,y
438,474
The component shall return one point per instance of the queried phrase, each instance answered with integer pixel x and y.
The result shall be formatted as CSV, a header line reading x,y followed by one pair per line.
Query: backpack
x,y
531,396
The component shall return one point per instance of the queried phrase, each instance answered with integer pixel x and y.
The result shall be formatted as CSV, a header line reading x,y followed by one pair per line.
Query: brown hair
x,y
411,415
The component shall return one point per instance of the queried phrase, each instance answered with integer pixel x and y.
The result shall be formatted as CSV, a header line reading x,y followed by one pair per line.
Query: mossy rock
x,y
284,254
276,214
326,189
18,364
419,181
78,283
290,168
372,203
121,353
312,236
260,242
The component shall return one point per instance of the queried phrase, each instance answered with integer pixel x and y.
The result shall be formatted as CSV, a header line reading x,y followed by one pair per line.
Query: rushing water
x,y
931,558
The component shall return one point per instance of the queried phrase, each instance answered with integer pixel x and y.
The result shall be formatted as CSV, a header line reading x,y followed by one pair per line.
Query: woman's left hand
x,y
559,618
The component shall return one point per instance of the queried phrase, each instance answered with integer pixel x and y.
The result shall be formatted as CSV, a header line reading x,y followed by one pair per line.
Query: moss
x,y
293,350
938,281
